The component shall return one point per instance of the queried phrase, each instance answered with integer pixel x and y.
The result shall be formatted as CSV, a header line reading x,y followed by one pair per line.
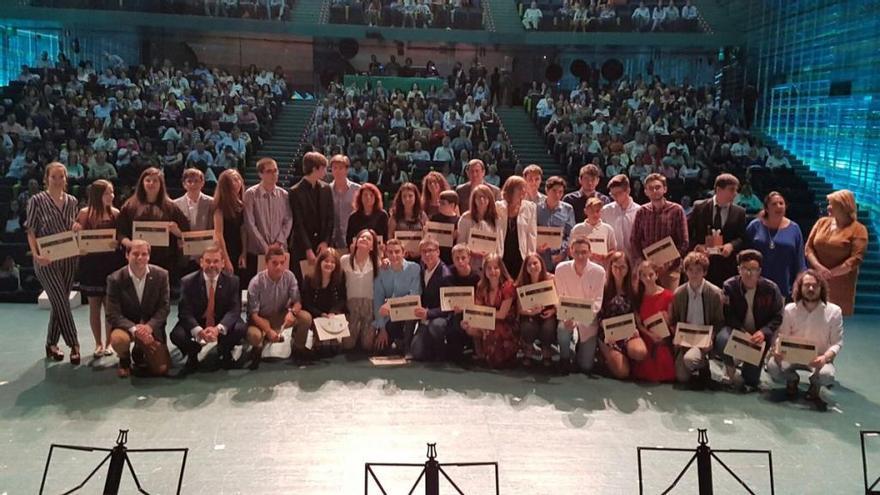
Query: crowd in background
x,y
245,9
609,15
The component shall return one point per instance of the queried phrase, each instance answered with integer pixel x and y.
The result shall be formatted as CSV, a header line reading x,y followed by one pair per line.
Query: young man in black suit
x,y
720,215
311,202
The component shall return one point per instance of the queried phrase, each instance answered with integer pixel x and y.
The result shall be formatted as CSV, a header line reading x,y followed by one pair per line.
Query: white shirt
x,y
587,286
430,273
621,222
192,209
695,304
358,279
600,230
823,326
781,162
139,284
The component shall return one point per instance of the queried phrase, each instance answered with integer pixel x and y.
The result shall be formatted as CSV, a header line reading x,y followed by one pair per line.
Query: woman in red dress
x,y
659,366
497,347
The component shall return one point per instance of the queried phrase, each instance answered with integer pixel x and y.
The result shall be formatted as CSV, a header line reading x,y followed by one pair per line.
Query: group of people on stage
x,y
320,250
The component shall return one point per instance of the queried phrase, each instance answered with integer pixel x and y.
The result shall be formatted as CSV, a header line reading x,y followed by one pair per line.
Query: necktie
x,y
209,312
716,222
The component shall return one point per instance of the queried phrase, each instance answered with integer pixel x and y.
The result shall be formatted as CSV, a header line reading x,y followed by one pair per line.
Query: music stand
x,y
431,471
703,454
118,457
869,489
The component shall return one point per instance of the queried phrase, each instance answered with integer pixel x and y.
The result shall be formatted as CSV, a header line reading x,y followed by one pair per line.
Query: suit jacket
x,y
733,231
766,310
713,306
123,309
431,290
464,195
204,215
194,301
312,222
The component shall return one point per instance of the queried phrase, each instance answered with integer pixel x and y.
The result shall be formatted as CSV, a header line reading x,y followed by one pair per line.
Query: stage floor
x,y
289,430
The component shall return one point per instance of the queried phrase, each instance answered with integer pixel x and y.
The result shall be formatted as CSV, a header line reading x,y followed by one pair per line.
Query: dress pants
x,y
183,339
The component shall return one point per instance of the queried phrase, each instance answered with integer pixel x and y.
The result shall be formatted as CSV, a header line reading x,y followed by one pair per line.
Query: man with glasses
x,y
430,338
267,216
656,221
754,306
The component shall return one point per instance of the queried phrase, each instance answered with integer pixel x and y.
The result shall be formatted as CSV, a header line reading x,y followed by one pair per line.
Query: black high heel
x,y
75,358
54,353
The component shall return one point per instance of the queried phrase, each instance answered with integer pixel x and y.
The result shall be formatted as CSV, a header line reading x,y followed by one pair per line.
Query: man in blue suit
x,y
429,341
209,311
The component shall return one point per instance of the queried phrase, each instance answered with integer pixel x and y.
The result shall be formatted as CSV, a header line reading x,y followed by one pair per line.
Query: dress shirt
x,y
271,299
393,283
725,210
653,224
430,272
822,326
267,218
588,286
192,209
342,209
695,304
358,278
139,284
560,216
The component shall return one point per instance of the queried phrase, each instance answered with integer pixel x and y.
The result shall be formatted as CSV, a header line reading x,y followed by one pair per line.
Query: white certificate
x,y
551,236
537,295
196,241
404,308
656,323
572,308
687,335
58,246
333,328
443,232
261,262
452,297
97,241
740,347
155,233
483,241
388,361
482,317
619,328
598,245
662,251
410,239
279,350
797,351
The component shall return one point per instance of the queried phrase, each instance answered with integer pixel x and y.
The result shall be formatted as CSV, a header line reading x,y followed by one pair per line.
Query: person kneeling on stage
x,y
462,274
324,296
273,305
429,341
400,279
697,302
138,303
812,318
209,311
582,279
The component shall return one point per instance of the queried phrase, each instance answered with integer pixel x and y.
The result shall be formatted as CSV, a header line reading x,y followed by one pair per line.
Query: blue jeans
x,y
585,351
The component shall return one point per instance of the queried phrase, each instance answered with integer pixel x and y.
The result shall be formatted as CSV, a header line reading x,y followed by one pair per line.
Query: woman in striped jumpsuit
x,y
51,212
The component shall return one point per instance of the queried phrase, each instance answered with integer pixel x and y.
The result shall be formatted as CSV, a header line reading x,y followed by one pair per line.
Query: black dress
x,y
94,268
232,237
512,257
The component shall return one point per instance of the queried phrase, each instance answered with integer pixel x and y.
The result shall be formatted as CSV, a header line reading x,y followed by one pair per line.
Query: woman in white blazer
x,y
517,224
481,216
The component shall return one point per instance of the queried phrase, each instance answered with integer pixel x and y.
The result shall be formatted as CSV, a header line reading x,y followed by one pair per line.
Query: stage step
x,y
527,142
285,145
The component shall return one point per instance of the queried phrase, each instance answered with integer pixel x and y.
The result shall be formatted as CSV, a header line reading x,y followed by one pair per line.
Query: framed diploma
x,y
452,297
796,351
97,241
619,328
333,328
538,295
261,262
662,252
714,241
410,239
740,347
572,308
656,323
687,335
483,241
403,308
195,242
58,246
443,232
155,233
482,317
598,245
551,236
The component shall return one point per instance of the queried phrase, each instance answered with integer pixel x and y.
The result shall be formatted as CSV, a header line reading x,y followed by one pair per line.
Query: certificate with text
x,y
662,252
58,246
155,233
97,241
740,347
456,297
619,327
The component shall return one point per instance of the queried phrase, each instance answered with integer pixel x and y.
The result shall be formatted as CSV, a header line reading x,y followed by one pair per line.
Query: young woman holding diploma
x,y
658,366
496,347
536,323
619,298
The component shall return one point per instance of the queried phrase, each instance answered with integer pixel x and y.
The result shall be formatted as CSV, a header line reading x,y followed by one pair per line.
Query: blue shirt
x,y
785,260
561,216
390,283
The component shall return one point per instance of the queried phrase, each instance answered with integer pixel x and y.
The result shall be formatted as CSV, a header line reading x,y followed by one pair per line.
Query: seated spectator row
x,y
448,14
246,9
608,15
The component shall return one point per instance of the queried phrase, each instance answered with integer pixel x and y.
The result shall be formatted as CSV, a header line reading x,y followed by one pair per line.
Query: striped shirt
x,y
45,218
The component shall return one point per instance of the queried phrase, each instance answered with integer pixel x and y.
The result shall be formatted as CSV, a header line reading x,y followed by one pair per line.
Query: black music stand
x,y
431,471
703,454
118,457
869,489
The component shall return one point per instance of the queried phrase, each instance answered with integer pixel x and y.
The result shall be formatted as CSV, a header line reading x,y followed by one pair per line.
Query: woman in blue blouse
x,y
780,241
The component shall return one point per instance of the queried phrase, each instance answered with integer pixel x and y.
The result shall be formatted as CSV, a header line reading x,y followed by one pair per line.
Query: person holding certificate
x,y
51,212
656,221
151,203
481,216
99,214
229,231
497,347
518,226
197,206
582,279
697,302
462,274
447,213
406,215
658,366
323,296
598,233
814,321
311,204
368,214
360,268
718,228
754,306
430,341
553,212
537,323
618,299
267,217
401,278
620,214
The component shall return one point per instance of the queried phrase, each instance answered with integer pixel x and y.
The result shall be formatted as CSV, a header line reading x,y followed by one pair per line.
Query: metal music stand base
x,y
431,471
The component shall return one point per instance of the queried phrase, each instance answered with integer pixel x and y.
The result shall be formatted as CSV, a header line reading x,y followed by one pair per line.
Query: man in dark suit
x,y
209,311
430,339
754,306
138,304
714,215
311,202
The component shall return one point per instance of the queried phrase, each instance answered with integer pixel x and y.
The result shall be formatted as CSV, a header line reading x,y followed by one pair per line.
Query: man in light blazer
x,y
197,207
209,311
138,303
719,213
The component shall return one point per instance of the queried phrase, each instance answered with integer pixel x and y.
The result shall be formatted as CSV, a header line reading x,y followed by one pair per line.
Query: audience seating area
x,y
449,14
609,15
248,9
